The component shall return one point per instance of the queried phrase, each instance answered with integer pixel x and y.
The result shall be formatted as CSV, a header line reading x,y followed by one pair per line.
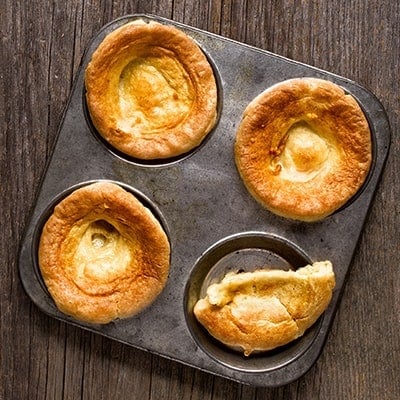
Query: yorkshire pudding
x,y
303,148
102,254
262,310
150,90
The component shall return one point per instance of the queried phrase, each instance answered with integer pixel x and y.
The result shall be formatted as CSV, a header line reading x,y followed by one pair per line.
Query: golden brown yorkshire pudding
x,y
102,254
261,310
303,148
151,92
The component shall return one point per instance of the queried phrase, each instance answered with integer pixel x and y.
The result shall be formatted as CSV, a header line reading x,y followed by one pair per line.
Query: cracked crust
x,y
261,310
303,148
102,254
151,92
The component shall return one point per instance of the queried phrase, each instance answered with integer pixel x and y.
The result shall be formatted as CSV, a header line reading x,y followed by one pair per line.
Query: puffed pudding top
x,y
102,254
303,148
265,309
150,91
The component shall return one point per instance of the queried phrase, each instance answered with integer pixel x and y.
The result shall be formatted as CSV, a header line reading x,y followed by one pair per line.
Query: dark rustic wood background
x,y
42,42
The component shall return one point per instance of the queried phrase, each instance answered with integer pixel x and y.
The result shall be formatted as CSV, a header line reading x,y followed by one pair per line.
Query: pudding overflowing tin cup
x,y
101,252
152,94
303,148
244,252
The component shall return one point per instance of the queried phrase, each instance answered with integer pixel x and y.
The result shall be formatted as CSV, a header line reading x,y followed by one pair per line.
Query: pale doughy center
x,y
102,255
155,93
306,154
266,311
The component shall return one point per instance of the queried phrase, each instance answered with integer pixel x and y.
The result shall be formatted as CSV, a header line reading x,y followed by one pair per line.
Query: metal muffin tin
x,y
213,223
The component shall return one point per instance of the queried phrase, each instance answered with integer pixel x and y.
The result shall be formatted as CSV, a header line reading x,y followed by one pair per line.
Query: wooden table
x,y
42,45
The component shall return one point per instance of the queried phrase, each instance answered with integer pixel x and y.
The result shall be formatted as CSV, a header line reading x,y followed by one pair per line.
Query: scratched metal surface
x,y
208,215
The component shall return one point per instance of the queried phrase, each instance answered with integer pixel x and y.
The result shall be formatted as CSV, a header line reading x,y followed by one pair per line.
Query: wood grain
x,y
42,43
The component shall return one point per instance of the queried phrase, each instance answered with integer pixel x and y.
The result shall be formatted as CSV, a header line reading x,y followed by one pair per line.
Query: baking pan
x,y
210,218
